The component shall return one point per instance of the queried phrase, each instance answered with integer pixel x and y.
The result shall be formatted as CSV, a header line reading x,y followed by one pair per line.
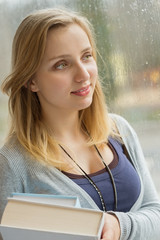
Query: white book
x,y
23,220
62,200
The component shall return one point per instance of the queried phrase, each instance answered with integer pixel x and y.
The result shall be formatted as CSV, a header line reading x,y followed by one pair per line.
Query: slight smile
x,y
82,91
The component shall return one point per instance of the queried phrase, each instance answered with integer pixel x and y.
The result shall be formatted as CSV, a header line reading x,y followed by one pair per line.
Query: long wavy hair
x,y
25,110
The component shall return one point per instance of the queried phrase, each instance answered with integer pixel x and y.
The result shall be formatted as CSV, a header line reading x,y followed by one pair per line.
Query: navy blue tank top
x,y
126,179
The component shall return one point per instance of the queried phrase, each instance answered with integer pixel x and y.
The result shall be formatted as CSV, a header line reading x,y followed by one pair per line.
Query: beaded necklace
x,y
93,183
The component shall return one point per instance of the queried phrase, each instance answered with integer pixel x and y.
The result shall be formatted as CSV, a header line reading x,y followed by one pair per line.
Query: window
x,y
128,38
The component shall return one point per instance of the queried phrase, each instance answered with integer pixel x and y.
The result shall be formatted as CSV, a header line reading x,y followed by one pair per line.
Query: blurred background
x,y
128,39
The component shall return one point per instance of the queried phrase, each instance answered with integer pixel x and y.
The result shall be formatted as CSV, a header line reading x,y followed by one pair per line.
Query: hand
x,y
111,229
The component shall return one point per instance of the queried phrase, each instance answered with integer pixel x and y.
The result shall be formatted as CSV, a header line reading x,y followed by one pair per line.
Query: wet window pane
x,y
128,38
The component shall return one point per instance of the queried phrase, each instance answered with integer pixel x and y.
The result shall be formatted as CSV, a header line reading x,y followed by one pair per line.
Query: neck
x,y
65,126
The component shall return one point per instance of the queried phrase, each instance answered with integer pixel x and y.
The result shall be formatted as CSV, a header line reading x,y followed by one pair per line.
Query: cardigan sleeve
x,y
9,182
143,220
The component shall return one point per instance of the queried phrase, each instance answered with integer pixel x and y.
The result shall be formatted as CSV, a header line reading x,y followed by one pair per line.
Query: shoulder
x,y
14,156
130,140
12,149
119,120
124,127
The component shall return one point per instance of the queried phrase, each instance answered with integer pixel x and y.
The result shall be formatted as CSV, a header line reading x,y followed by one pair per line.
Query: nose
x,y
81,72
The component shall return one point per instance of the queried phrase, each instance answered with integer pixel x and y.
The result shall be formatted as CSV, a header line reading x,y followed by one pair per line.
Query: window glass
x,y
128,39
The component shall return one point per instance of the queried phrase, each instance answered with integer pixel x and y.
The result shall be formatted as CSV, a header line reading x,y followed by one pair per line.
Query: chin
x,y
85,105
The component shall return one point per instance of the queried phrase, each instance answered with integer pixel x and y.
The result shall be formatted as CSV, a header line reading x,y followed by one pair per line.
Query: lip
x,y
82,91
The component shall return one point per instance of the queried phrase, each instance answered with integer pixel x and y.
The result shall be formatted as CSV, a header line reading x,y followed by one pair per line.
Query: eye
x,y
87,56
60,65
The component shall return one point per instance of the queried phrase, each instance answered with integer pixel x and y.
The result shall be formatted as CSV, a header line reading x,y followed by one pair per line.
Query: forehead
x,y
63,40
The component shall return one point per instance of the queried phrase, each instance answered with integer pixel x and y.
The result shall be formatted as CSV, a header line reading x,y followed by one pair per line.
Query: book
x,y
47,198
23,219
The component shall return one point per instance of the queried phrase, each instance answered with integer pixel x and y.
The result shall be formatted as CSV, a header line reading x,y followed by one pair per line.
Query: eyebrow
x,y
67,55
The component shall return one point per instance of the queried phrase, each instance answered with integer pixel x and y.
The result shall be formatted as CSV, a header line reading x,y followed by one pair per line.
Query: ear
x,y
32,85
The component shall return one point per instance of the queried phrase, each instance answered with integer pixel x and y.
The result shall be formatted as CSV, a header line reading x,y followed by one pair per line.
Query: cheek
x,y
57,88
94,72
47,82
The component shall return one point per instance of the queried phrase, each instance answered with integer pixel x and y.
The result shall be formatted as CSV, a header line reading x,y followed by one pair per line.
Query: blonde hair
x,y
27,52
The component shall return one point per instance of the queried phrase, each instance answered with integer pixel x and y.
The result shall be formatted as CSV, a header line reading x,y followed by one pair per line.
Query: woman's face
x,y
66,78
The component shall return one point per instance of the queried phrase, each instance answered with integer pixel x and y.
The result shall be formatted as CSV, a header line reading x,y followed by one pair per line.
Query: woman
x,y
62,139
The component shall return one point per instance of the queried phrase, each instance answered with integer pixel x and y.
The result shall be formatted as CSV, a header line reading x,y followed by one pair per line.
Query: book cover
x,y
36,221
10,233
48,198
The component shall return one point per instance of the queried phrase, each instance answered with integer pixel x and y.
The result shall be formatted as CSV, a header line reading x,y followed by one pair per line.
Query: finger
x,y
109,235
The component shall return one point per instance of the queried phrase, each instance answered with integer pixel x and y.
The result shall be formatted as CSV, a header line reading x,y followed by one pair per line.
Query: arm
x,y
143,220
9,182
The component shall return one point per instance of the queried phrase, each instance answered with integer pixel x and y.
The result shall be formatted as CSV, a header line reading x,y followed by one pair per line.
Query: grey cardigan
x,y
20,173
